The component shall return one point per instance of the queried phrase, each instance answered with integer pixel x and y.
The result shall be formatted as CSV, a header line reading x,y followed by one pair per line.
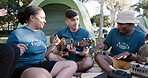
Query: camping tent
x,y
55,14
143,24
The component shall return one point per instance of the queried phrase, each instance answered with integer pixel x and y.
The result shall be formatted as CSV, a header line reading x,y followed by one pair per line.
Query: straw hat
x,y
126,16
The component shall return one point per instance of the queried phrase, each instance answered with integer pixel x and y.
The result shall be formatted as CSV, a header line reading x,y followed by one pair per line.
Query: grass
x,y
3,39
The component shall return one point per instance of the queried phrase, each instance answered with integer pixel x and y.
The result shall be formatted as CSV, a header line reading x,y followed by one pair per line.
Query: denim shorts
x,y
48,65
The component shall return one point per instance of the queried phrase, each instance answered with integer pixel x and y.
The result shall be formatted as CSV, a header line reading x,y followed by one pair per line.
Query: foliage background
x,y
10,22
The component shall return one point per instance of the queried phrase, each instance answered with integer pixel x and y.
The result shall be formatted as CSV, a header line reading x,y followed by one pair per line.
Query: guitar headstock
x,y
86,42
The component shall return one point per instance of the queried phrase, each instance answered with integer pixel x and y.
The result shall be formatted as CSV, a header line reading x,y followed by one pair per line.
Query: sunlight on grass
x,y
3,39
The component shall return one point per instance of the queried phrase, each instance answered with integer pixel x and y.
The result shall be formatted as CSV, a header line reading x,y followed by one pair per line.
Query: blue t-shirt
x,y
75,37
121,43
36,41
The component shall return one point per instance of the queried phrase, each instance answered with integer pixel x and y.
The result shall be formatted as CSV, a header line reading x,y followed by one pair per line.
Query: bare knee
x,y
72,64
61,66
103,59
85,64
36,73
88,62
98,56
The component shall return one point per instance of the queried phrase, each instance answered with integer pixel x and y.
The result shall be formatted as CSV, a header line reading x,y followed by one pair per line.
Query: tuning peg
x,y
90,46
90,39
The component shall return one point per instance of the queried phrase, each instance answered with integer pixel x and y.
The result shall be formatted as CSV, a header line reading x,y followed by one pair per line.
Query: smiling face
x,y
73,23
38,19
125,28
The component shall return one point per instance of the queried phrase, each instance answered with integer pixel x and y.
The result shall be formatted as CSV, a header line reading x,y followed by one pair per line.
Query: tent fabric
x,y
55,15
142,25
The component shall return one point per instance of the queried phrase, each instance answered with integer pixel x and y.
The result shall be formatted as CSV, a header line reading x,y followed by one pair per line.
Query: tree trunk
x,y
112,14
101,20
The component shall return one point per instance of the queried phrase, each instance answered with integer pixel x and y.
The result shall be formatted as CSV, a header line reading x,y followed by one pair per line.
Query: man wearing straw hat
x,y
124,41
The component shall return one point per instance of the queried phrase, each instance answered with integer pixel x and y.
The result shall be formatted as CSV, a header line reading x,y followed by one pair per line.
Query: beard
x,y
124,31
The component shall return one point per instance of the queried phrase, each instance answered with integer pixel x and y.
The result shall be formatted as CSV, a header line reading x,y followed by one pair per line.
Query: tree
x,y
101,19
143,4
13,6
95,19
115,6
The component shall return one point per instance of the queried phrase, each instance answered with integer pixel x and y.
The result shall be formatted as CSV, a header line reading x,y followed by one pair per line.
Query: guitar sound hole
x,y
65,50
65,53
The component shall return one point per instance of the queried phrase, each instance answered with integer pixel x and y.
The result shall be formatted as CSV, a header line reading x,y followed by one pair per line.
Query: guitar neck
x,y
76,44
83,43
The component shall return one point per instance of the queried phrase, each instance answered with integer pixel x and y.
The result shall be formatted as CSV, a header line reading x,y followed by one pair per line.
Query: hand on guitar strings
x,y
122,55
71,48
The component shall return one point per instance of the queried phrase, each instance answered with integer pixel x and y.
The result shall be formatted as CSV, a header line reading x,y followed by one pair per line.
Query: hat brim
x,y
127,21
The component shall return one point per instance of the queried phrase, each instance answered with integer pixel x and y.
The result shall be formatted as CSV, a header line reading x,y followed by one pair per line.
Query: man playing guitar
x,y
76,34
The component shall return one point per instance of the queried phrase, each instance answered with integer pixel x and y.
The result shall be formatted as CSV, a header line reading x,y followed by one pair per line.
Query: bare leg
x,y
64,69
104,62
85,64
35,72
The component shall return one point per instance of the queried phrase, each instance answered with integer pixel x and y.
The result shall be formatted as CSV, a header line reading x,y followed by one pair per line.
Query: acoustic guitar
x,y
63,51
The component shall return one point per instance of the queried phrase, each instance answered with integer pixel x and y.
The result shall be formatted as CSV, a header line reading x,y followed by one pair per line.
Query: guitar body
x,y
143,54
63,51
61,47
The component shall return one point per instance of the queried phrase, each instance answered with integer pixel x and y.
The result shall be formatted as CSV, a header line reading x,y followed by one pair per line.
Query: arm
x,y
107,42
50,48
51,38
13,40
49,55
83,53
22,48
101,46
54,57
72,49
126,54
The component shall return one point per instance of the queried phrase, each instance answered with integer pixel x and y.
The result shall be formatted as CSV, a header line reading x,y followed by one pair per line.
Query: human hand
x,y
99,46
122,55
71,48
22,47
3,12
56,40
55,57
